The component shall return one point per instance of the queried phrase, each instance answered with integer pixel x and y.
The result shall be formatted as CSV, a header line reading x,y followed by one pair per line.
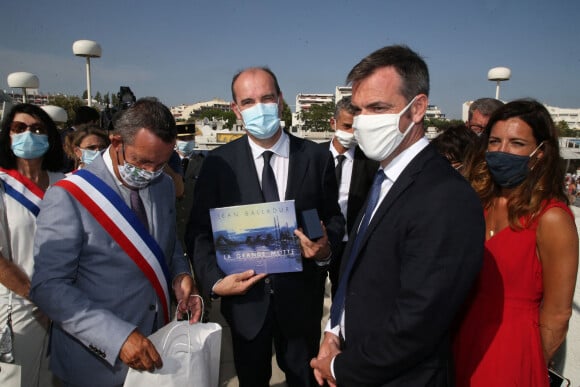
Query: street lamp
x,y
24,81
499,74
57,113
88,49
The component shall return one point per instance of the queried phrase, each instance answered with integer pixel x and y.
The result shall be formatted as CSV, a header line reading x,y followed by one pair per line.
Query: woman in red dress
x,y
518,314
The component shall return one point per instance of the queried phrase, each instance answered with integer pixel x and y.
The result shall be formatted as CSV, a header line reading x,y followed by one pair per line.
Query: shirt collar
x,y
280,148
349,152
394,169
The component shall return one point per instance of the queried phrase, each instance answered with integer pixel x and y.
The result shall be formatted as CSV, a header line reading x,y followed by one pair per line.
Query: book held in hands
x,y
256,236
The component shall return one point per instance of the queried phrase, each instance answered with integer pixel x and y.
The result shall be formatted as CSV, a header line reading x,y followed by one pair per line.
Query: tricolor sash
x,y
110,210
22,189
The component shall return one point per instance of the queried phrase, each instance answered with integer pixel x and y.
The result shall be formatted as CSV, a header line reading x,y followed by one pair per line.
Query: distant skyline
x,y
185,52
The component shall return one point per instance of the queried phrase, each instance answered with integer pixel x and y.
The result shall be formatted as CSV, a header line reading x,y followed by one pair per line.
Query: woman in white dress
x,y
31,155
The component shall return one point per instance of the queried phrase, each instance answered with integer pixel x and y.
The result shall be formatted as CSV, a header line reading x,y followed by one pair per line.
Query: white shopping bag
x,y
190,354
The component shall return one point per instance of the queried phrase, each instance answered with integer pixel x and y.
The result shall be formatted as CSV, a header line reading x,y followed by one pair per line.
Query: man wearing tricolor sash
x,y
107,257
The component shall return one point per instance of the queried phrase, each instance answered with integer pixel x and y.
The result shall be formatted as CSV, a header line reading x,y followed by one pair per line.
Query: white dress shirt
x,y
345,180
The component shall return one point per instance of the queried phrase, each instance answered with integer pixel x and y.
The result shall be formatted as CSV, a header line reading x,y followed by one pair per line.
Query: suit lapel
x,y
246,172
297,168
405,180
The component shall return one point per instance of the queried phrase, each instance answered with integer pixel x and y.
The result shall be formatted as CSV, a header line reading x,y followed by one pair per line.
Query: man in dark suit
x,y
286,308
354,174
416,247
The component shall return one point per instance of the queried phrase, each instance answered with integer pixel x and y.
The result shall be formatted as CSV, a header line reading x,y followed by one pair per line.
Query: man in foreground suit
x,y
354,174
284,308
416,247
89,279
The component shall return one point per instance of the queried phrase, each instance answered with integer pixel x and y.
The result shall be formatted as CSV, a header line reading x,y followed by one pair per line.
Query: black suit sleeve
x,y
198,235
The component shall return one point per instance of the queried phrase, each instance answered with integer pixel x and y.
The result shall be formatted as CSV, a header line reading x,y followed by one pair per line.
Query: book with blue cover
x,y
256,236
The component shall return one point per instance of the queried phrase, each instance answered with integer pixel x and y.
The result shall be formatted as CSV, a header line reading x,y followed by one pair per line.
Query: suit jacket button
x,y
151,307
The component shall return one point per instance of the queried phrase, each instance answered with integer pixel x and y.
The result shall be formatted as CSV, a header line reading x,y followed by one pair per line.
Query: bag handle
x,y
177,325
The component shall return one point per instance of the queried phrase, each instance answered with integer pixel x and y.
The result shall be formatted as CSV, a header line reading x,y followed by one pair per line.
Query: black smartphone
x,y
311,226
557,380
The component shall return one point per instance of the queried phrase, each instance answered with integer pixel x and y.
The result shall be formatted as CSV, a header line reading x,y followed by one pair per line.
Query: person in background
x,y
414,250
518,314
84,144
106,255
84,116
284,309
191,162
479,112
30,161
458,145
354,175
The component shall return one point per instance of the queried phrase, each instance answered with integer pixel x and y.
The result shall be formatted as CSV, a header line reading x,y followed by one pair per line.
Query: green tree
x,y
210,113
107,99
287,115
68,103
564,129
441,124
115,99
85,94
317,116
98,97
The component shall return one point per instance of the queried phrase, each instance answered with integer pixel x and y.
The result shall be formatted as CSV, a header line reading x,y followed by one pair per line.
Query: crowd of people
x,y
451,262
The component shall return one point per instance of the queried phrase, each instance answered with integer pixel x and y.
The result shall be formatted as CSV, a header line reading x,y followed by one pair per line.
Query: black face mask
x,y
508,170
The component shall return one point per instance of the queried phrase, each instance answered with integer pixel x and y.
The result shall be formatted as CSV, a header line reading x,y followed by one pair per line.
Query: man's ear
x,y
332,122
236,110
419,108
116,141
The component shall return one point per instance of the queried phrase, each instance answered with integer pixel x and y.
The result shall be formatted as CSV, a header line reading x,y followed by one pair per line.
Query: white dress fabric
x,y
30,326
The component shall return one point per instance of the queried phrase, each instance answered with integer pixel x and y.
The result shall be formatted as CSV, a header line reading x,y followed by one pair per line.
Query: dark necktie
x,y
269,187
138,208
338,170
184,164
338,301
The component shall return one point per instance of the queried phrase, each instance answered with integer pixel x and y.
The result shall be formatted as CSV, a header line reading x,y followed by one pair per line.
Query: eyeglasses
x,y
156,169
96,147
20,127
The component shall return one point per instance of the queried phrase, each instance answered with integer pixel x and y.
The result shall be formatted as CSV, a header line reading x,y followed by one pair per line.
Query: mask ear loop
x,y
537,160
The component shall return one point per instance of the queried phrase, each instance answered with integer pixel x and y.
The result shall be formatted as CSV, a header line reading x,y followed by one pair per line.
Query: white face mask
x,y
378,135
345,139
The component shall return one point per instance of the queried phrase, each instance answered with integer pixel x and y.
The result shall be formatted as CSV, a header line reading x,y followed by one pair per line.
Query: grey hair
x,y
486,106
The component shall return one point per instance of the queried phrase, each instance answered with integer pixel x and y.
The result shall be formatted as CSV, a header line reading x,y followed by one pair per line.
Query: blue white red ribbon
x,y
110,210
22,189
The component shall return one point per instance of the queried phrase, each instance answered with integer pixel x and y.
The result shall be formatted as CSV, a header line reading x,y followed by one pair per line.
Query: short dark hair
x,y
146,113
344,104
85,115
52,159
408,64
485,106
263,68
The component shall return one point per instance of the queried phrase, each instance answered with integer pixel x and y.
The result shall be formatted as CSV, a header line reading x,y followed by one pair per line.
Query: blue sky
x,y
187,51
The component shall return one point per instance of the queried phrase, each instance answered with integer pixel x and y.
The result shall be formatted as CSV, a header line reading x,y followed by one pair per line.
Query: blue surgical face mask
x,y
508,170
261,120
27,145
88,155
185,147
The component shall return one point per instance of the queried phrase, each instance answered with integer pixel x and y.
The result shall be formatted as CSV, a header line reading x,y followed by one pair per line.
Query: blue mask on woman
x,y
508,170
88,155
185,147
27,145
261,120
